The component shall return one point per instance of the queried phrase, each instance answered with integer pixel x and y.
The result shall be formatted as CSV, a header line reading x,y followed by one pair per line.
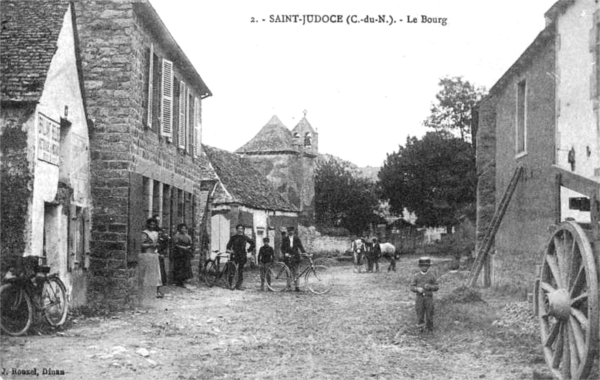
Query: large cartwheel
x,y
567,303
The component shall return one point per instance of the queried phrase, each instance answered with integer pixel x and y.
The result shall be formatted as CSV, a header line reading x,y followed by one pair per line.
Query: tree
x,y
342,199
434,177
453,110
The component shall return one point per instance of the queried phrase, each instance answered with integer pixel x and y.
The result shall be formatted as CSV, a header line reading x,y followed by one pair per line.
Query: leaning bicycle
x,y
21,296
319,279
214,272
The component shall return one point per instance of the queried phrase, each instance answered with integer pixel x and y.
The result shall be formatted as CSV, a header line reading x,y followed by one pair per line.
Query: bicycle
x,y
20,295
319,279
278,276
213,271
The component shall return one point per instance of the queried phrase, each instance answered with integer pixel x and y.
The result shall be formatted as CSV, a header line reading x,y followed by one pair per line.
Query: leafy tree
x,y
434,177
342,198
452,111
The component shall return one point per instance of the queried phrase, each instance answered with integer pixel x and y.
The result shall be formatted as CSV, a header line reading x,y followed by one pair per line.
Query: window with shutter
x,y
155,95
182,115
147,98
197,128
176,101
190,129
167,100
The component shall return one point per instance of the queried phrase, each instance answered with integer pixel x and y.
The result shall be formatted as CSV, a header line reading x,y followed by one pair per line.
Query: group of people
x,y
154,245
240,244
372,252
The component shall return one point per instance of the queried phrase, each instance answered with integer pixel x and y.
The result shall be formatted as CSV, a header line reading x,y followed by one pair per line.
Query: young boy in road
x,y
265,259
424,284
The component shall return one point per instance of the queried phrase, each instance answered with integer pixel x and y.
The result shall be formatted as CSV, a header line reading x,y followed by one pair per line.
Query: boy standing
x,y
424,284
265,259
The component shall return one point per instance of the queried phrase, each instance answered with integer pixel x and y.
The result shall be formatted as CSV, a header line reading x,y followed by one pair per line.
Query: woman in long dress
x,y
148,264
182,255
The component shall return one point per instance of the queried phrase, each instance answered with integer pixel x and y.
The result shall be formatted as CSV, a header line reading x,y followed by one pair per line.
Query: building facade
x,y
145,100
288,160
45,188
244,196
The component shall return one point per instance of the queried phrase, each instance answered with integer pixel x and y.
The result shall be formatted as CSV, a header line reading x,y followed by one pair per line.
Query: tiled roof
x,y
28,38
302,125
207,172
273,137
242,183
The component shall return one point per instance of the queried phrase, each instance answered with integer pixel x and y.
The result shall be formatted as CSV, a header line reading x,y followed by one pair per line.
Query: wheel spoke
x,y
547,287
578,335
558,353
566,354
578,283
553,265
573,353
580,298
580,317
554,330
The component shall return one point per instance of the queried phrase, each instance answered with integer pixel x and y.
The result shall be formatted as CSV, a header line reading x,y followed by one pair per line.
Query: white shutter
x,y
197,128
182,115
150,85
167,99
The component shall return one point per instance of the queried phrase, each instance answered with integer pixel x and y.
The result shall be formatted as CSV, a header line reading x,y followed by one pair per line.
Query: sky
x,y
364,86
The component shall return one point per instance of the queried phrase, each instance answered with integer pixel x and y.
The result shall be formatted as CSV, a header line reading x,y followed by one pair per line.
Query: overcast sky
x,y
365,86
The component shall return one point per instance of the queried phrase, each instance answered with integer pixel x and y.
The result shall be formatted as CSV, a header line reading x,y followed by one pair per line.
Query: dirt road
x,y
213,333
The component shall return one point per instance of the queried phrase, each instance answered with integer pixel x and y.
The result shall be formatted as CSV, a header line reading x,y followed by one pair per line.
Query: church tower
x,y
305,137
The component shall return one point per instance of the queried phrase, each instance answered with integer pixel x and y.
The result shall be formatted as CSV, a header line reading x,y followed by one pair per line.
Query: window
x,y
579,203
197,127
181,133
191,123
521,134
166,115
307,139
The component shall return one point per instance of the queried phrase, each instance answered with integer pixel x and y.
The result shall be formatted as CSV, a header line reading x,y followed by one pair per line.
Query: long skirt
x,y
182,266
149,270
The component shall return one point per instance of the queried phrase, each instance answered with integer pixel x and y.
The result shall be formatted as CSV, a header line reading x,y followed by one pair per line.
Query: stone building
x,y
288,159
45,159
244,196
145,100
542,115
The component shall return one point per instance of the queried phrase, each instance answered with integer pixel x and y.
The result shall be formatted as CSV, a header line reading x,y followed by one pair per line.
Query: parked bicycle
x,y
319,279
23,295
227,273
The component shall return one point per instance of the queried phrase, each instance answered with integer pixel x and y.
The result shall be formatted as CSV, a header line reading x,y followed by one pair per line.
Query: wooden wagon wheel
x,y
568,303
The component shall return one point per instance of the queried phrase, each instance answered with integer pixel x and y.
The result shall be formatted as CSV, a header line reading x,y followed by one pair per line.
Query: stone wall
x,y
16,184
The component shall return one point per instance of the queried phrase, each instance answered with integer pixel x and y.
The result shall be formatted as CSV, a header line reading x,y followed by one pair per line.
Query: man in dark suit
x,y
237,245
291,247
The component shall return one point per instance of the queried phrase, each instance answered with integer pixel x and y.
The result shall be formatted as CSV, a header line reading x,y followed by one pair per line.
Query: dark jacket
x,y
266,254
295,249
237,244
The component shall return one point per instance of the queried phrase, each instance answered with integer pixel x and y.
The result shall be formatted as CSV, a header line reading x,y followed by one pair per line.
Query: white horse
x,y
358,249
388,250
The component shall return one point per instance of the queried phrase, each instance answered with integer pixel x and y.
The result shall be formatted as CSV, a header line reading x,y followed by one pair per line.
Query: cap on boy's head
x,y
290,229
266,240
374,240
426,261
239,225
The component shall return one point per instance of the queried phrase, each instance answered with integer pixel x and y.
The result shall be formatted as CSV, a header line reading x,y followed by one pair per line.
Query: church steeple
x,y
306,138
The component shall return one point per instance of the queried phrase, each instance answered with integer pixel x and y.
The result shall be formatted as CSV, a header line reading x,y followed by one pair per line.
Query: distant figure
x,y
148,264
237,245
266,256
389,252
424,284
373,255
291,247
358,249
182,256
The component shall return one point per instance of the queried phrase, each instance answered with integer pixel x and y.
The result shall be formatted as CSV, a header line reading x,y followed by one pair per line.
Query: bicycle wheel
x,y
54,301
320,279
229,275
210,273
16,310
278,277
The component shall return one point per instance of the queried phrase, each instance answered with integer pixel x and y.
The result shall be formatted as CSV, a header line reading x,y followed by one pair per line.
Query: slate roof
x,y
302,124
28,38
273,137
241,182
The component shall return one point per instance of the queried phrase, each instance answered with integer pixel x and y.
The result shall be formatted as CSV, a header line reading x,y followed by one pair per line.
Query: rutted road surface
x,y
362,329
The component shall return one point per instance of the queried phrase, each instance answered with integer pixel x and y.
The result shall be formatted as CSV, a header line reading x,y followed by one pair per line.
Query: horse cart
x,y
566,290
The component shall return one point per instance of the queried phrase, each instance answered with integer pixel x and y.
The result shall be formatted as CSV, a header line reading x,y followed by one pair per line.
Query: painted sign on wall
x,y
48,140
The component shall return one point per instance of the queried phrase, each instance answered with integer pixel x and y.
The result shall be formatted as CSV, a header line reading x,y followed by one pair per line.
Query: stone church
x,y
288,160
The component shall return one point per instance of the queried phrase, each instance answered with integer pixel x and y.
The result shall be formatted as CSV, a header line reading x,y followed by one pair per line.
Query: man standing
x,y
291,247
237,245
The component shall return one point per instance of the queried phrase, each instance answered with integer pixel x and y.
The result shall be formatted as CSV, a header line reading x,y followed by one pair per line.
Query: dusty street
x,y
362,329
